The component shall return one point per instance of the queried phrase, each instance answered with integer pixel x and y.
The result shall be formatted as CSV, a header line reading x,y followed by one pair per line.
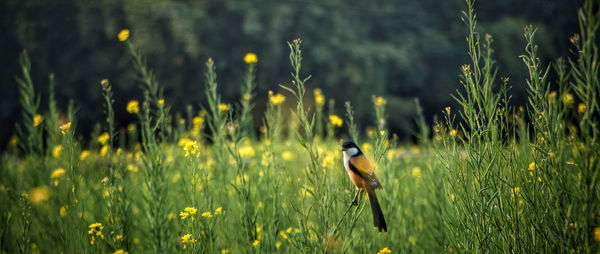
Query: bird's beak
x,y
343,149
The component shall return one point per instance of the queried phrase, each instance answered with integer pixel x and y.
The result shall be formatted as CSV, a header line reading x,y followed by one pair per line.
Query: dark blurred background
x,y
398,49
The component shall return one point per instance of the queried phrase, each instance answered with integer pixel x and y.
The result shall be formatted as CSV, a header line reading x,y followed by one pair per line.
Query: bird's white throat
x,y
352,151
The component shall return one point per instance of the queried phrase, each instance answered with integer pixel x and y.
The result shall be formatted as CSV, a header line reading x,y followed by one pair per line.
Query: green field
x,y
486,177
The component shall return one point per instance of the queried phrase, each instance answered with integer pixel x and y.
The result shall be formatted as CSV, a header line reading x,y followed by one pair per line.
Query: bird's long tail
x,y
378,220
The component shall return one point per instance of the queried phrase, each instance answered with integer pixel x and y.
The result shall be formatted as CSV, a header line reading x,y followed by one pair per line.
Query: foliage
x,y
403,49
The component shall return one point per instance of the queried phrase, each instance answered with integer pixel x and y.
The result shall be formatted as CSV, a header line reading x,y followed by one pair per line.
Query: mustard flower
x,y
84,155
191,148
319,98
57,151
385,250
581,108
104,150
65,128
133,107
250,58
123,35
95,231
102,139
568,99
223,107
58,173
336,120
380,101
276,99
37,120
39,195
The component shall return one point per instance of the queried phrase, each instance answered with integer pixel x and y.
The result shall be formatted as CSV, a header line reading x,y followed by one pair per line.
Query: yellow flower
x,y
198,124
38,195
191,148
123,35
551,95
102,139
187,239
225,251
581,108
96,231
57,151
161,102
453,133
37,120
385,250
416,172
219,210
84,155
277,244
287,155
277,99
184,141
104,82
223,107
184,215
250,58
319,98
104,150
58,173
132,168
133,107
336,120
597,234
247,151
568,99
207,215
380,101
256,243
120,251
62,211
367,147
283,235
532,166
65,127
190,210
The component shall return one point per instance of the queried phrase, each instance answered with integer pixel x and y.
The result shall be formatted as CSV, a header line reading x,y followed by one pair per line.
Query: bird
x,y
363,176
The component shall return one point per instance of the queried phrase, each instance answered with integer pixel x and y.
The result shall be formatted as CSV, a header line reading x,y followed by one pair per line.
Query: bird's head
x,y
350,148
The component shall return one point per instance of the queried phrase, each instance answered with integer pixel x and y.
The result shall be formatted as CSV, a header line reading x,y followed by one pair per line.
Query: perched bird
x,y
362,175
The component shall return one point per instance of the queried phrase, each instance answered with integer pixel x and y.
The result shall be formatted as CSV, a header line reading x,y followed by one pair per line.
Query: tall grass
x,y
522,188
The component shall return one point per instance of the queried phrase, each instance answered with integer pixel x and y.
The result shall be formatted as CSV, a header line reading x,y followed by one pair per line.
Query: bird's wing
x,y
363,166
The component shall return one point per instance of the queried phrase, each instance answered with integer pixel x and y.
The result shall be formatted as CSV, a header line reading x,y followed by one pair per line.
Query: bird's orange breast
x,y
358,181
